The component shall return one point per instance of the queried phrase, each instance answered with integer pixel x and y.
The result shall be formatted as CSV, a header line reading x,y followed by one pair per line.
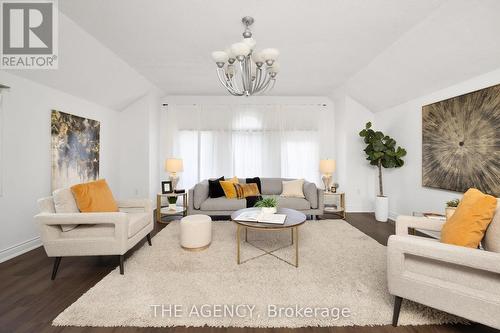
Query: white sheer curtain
x,y
247,140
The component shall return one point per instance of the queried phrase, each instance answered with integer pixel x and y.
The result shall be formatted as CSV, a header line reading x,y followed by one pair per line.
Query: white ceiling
x,y
383,52
458,41
89,70
322,42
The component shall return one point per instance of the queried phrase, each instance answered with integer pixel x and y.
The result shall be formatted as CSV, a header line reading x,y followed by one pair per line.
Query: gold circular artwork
x,y
461,142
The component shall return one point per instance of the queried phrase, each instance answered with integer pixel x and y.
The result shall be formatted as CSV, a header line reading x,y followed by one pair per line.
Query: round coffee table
x,y
294,219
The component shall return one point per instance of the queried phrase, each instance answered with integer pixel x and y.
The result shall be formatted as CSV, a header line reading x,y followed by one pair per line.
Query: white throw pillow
x,y
64,202
293,188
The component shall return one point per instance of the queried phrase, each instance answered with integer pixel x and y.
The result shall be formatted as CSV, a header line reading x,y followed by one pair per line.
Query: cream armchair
x,y
458,280
96,233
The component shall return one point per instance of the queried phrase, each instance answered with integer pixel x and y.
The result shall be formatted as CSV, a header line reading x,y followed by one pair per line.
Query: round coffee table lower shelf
x,y
294,219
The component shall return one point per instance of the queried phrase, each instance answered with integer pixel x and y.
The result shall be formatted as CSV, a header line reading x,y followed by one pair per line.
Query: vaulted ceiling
x,y
383,51
322,43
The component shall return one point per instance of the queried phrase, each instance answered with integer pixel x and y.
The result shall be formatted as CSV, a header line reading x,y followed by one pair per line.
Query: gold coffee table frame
x,y
293,221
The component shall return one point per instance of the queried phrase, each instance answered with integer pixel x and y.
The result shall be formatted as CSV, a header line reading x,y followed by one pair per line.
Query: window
x,y
265,141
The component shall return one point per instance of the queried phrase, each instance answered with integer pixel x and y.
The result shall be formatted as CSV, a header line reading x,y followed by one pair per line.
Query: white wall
x,y
154,143
404,123
139,139
27,159
354,174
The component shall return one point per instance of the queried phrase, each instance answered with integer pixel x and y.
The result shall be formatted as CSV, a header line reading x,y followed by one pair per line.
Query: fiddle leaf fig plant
x,y
381,151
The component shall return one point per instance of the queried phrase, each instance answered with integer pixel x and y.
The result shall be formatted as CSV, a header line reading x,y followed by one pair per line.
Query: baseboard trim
x,y
20,248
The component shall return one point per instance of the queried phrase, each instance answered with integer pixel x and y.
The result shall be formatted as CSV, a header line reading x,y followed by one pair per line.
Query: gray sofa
x,y
200,203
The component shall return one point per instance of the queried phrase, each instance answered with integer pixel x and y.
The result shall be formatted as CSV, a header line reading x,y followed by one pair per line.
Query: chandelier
x,y
242,70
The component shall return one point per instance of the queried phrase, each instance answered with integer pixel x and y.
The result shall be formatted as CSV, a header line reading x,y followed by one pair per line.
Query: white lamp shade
x,y
250,42
230,53
275,68
174,165
270,54
240,49
220,56
257,57
327,166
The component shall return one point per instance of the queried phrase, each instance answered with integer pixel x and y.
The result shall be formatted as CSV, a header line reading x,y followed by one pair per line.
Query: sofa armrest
x,y
191,209
321,199
145,204
435,250
454,279
50,230
82,218
404,222
191,197
198,194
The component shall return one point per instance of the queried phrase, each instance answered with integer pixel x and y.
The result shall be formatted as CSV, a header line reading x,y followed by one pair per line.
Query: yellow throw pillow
x,y
94,197
466,227
228,187
246,190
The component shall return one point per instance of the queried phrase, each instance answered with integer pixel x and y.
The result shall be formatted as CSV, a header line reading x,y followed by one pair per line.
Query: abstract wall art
x,y
461,142
75,149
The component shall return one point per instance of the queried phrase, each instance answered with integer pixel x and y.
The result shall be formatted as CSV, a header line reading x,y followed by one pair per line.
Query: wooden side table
x,y
430,216
179,210
334,203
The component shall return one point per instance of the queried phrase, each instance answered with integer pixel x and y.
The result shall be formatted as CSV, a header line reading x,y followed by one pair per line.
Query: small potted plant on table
x,y
172,203
451,206
268,205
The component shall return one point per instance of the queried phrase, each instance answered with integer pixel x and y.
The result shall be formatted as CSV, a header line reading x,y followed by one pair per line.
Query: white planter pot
x,y
449,211
269,210
381,209
172,206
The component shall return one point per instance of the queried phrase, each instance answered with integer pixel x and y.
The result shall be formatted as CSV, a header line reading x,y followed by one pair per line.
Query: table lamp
x,y
327,167
173,166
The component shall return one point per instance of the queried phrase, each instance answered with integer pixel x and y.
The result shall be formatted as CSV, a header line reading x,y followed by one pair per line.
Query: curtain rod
x,y
308,104
246,130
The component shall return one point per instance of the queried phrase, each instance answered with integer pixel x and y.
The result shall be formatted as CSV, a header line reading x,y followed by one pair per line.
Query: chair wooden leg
x,y
397,308
122,258
57,261
148,237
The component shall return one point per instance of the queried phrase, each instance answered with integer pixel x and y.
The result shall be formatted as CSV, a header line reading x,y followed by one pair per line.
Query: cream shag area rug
x,y
340,269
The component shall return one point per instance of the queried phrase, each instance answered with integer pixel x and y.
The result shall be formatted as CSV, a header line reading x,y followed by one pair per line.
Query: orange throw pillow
x,y
471,219
94,197
246,190
228,187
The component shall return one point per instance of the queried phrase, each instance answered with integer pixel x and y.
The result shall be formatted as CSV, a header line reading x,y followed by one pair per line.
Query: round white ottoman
x,y
196,232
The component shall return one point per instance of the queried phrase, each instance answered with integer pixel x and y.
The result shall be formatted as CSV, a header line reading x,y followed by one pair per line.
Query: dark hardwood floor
x,y
29,300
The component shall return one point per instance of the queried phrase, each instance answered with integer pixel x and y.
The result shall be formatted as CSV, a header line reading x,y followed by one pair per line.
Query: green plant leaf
x,y
381,149
267,202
